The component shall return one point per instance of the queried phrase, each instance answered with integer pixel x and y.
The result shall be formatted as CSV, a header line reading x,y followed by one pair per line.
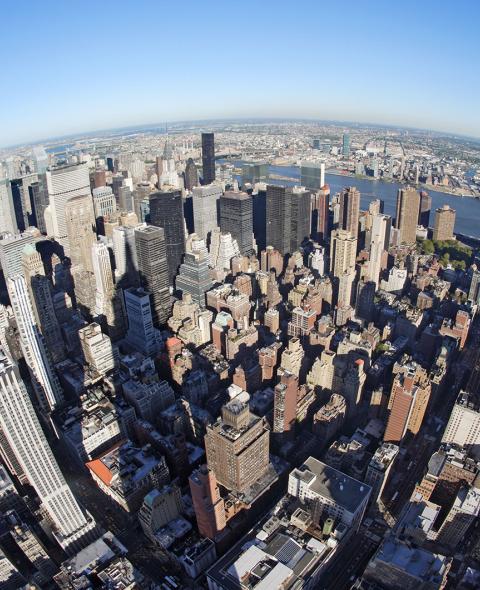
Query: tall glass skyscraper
x,y
166,211
208,157
236,219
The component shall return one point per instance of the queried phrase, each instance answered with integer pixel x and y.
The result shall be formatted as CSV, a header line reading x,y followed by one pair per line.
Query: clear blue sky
x,y
73,66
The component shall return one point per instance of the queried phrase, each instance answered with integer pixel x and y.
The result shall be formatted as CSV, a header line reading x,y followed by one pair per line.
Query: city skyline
x,y
72,92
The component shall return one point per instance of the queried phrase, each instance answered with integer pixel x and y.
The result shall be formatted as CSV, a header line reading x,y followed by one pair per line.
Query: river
x,y
467,221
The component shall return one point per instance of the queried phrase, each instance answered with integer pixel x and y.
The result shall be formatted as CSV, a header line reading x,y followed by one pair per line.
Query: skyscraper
x,y
24,434
300,211
285,405
38,202
349,210
166,211
125,253
236,219
444,223
191,175
205,205
7,213
237,446
141,332
97,349
408,203
208,504
425,208
320,214
103,202
80,224
194,277
312,175
379,242
64,183
278,218
45,381
343,251
19,204
153,269
346,145
208,158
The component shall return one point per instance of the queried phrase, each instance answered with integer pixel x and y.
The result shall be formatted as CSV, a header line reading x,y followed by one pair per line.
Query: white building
x,y
316,260
339,496
64,183
379,468
205,203
97,349
45,381
102,270
222,249
103,201
379,242
124,250
21,428
463,427
11,247
7,213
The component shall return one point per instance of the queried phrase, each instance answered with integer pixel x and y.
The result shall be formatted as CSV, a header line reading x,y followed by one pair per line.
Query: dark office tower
x,y
110,164
38,203
320,214
300,211
208,157
194,277
19,204
188,214
153,269
349,210
236,218
278,218
259,202
408,205
191,175
365,303
425,208
166,210
117,182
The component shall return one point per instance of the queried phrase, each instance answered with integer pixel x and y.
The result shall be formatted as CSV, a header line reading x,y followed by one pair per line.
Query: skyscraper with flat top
x,y
425,208
80,224
153,269
349,210
64,183
236,219
191,175
278,218
205,201
408,203
346,145
444,223
166,211
208,157
237,446
24,434
208,504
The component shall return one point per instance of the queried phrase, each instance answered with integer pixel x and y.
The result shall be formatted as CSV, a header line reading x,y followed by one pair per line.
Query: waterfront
x,y
468,209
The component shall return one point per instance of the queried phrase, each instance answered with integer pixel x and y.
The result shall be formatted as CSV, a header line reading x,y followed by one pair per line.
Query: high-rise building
x,y
205,210
408,203
312,175
97,349
125,253
194,277
64,183
7,212
236,218
364,304
408,402
300,210
166,211
444,223
346,145
104,203
40,292
208,504
349,210
11,247
23,432
19,204
141,332
285,405
40,157
37,357
80,224
208,158
191,175
237,446
288,217
379,242
153,269
425,208
343,251
38,201
320,214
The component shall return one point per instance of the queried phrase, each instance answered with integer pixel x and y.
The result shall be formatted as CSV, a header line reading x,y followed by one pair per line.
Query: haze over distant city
x,y
413,66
